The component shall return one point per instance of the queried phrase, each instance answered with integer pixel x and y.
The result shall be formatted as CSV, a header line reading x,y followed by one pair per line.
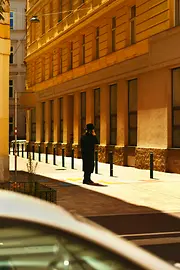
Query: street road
x,y
158,232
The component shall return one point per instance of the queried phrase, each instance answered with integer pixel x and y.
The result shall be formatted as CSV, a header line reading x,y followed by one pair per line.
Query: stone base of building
x,y
142,159
173,160
4,168
118,154
77,150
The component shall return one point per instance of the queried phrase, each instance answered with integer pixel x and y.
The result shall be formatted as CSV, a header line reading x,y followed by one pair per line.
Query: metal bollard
x,y
151,165
72,159
22,149
46,154
18,149
63,161
96,162
33,156
39,150
13,148
27,149
111,163
54,155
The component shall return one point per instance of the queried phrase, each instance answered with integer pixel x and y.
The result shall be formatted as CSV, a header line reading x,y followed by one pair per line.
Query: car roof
x,y
27,208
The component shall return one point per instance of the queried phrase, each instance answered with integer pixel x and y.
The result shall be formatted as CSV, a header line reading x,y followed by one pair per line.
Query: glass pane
x,y
176,120
26,247
133,137
113,99
113,40
96,102
113,121
176,137
133,120
113,136
133,32
132,89
133,12
176,87
83,104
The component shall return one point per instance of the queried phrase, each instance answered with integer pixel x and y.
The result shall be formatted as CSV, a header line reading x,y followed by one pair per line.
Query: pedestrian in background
x,y
88,142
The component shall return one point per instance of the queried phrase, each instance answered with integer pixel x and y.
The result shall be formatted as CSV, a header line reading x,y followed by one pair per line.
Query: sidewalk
x,y
130,185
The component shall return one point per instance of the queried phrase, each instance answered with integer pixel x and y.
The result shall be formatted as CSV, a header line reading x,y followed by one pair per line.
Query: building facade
x,y
113,63
17,66
4,98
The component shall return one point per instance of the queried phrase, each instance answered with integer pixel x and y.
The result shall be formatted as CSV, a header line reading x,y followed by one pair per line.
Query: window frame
x,y
83,112
12,20
11,123
11,88
11,57
112,116
33,125
43,135
176,12
71,56
83,49
97,42
51,120
113,32
130,113
61,120
97,117
132,22
174,109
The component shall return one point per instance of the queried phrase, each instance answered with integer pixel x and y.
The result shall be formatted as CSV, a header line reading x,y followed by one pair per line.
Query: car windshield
x,y
29,247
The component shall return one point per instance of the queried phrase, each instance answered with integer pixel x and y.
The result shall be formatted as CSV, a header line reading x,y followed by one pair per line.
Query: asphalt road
x,y
158,233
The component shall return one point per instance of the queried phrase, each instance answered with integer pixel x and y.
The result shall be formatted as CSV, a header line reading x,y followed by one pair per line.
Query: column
x,y
89,106
47,121
122,113
77,107
56,120
38,122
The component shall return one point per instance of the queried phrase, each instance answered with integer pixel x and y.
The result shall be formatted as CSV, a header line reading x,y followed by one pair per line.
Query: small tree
x,y
2,9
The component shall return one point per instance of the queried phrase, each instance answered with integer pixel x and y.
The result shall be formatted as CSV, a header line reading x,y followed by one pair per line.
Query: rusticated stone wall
x,y
142,159
102,154
118,157
77,150
173,162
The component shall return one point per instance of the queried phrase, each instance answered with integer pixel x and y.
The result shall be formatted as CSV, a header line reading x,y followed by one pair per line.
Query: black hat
x,y
90,126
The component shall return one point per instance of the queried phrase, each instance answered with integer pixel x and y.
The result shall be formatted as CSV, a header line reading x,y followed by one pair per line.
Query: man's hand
x,y
93,132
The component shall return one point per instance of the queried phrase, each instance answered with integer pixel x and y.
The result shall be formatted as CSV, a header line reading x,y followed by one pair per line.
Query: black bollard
x,y
13,148
33,152
151,165
39,150
27,149
111,163
46,154
63,161
18,149
54,155
72,159
96,162
22,149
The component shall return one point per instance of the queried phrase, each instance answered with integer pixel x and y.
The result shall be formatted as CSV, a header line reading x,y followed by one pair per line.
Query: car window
x,y
28,247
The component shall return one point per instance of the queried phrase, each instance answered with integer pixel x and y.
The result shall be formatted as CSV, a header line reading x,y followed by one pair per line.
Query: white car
x,y
38,235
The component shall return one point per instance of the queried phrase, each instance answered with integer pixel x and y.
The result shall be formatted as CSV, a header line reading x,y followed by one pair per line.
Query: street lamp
x,y
33,19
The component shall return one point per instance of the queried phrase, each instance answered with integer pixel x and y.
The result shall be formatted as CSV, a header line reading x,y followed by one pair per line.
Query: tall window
x,y
33,125
11,89
51,14
60,11
133,25
177,12
97,112
50,66
11,58
52,120
176,107
83,111
132,112
113,114
113,34
71,56
11,124
42,69
97,42
70,5
83,49
43,122
61,120
11,20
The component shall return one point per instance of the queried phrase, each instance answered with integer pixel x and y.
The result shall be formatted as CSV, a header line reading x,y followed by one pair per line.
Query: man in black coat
x,y
88,141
